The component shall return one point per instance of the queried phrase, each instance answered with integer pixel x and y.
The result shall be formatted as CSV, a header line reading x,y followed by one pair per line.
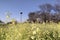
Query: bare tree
x,y
32,17
57,8
46,7
44,14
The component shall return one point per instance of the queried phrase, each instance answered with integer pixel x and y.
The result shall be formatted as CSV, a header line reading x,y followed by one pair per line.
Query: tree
x,y
56,18
32,17
1,22
46,7
44,14
57,8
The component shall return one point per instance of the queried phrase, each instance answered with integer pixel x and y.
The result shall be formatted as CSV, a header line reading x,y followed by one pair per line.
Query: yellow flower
x,y
34,32
37,29
19,34
32,37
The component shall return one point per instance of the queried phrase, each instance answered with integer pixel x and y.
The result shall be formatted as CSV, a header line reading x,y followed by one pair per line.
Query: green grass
x,y
30,31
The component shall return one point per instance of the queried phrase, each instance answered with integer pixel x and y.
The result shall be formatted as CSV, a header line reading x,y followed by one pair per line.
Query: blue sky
x,y
16,6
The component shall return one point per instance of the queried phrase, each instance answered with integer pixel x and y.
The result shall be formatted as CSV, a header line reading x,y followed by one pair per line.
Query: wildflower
x,y
19,34
58,35
37,29
47,32
34,32
32,37
2,35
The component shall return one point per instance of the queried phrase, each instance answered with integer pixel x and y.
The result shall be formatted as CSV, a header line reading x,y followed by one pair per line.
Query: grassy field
x,y
30,31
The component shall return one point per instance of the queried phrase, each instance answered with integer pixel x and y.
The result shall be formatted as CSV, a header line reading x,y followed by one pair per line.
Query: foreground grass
x,y
27,31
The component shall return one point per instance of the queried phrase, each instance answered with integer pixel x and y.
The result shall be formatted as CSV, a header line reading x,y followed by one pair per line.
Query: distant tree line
x,y
46,14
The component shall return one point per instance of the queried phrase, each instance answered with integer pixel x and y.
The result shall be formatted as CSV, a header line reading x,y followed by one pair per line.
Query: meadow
x,y
30,31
